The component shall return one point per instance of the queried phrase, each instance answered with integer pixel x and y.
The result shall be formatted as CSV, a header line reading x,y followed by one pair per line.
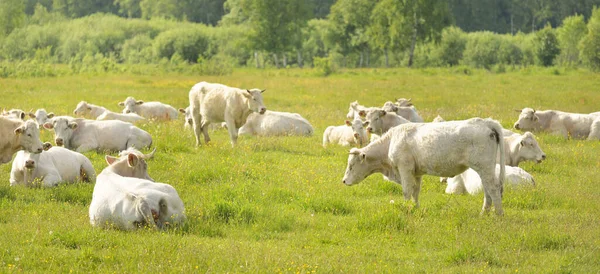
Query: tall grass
x,y
278,204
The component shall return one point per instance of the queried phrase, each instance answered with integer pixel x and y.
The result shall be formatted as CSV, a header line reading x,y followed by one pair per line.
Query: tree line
x,y
323,33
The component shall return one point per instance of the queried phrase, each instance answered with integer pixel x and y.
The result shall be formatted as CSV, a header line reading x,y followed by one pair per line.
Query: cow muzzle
x,y
542,159
59,141
262,110
29,164
517,126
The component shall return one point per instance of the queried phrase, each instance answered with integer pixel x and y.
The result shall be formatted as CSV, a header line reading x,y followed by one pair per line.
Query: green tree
x,y
546,46
569,36
350,20
12,15
388,27
129,8
590,44
429,18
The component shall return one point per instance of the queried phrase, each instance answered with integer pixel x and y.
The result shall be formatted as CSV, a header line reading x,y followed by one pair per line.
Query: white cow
x,y
408,113
403,102
51,167
352,133
357,111
85,109
41,116
189,123
519,148
407,152
149,110
438,119
16,135
83,135
14,114
276,123
470,182
380,121
125,117
215,103
125,197
566,124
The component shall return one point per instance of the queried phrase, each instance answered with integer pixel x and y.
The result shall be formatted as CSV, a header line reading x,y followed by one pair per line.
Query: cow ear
x,y
48,125
382,113
348,123
362,113
363,156
50,115
139,102
263,90
366,124
72,125
19,130
132,160
110,159
518,110
89,108
121,103
46,146
354,151
31,115
182,110
535,117
22,115
248,94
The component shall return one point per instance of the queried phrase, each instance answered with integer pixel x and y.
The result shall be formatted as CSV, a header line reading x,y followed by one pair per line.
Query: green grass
x,y
278,204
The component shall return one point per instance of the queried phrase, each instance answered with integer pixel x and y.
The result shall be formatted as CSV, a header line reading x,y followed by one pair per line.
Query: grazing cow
x,y
51,167
215,103
85,109
149,110
16,135
125,117
275,123
470,182
352,133
125,197
380,121
14,114
574,125
408,113
41,116
409,151
83,135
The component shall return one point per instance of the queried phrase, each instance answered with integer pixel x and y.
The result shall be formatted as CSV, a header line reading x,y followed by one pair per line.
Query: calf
x,y
573,125
276,123
408,113
85,109
352,133
149,110
380,121
356,111
16,135
51,167
407,152
125,197
215,103
41,116
470,182
83,135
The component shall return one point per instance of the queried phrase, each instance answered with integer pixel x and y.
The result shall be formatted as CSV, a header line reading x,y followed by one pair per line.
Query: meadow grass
x,y
278,205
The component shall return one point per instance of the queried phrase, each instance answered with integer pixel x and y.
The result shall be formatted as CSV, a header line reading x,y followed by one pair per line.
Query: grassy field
x,y
278,204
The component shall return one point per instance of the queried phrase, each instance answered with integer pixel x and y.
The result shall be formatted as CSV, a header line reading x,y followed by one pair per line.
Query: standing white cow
x,y
566,124
470,182
125,117
125,197
408,113
380,121
409,151
41,116
276,123
215,103
51,167
85,109
352,133
16,135
83,135
149,110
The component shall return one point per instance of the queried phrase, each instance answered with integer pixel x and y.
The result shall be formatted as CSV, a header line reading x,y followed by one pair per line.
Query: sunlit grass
x,y
278,205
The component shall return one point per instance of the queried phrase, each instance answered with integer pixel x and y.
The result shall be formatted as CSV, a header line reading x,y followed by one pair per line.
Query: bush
x,y
190,43
324,66
569,36
452,46
509,53
590,45
546,46
137,50
482,49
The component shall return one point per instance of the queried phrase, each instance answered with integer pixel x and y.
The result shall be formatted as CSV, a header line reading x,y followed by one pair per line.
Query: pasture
x,y
278,204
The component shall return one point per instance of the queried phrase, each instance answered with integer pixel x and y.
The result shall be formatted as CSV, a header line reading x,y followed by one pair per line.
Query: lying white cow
x,y
125,117
519,148
407,152
83,135
125,197
16,135
438,119
41,116
215,103
356,111
574,125
470,182
276,123
408,113
85,109
149,110
51,167
352,133
14,114
380,121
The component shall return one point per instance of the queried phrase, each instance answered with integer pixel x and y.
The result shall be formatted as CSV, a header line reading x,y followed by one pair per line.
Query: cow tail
x,y
499,138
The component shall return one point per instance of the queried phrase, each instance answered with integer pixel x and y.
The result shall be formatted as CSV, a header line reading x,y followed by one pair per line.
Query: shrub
x,y
509,53
481,49
569,36
190,43
452,46
546,46
137,50
324,66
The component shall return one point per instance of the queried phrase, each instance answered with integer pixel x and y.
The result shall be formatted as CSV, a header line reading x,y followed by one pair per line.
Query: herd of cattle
x,y
471,155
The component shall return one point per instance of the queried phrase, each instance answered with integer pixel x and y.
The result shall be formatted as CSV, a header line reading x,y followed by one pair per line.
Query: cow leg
x,y
87,147
492,190
51,180
417,190
204,128
233,130
408,182
594,130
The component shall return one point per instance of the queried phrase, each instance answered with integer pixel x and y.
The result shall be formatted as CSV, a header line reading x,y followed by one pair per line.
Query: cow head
x,y
528,120
403,102
375,119
255,100
438,119
28,135
390,107
352,110
130,163
14,114
188,117
359,132
530,149
63,130
358,167
41,116
130,105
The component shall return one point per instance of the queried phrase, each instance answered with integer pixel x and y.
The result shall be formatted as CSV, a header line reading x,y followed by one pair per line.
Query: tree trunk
x,y
285,60
360,63
413,42
256,58
300,65
276,60
368,61
387,58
